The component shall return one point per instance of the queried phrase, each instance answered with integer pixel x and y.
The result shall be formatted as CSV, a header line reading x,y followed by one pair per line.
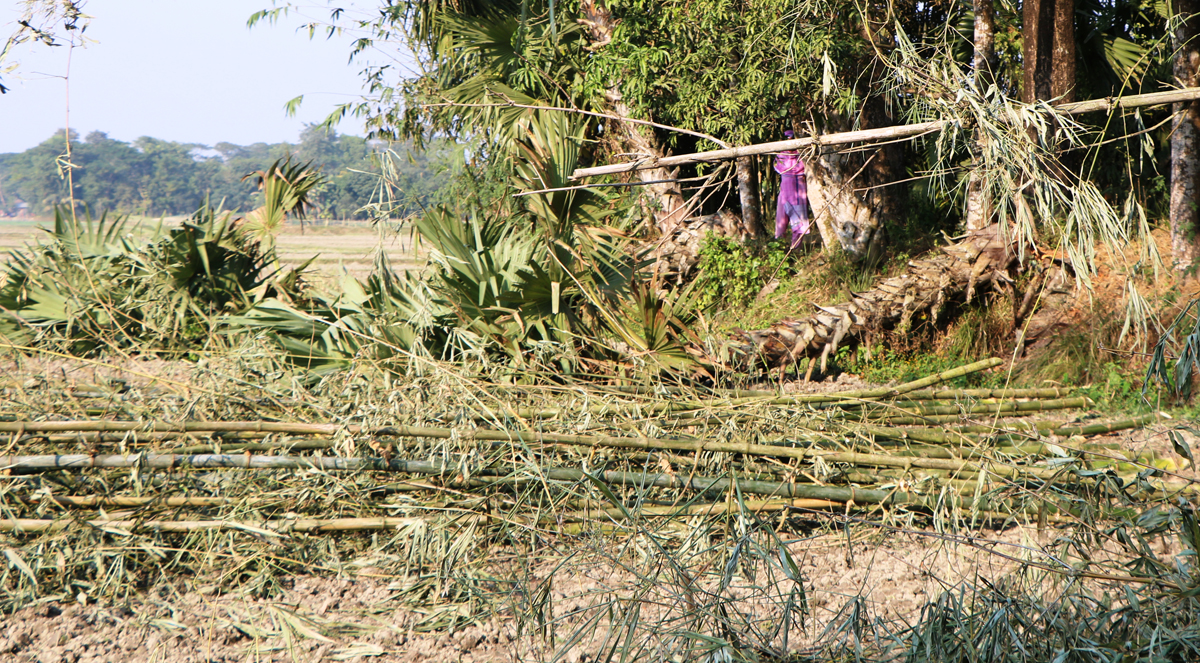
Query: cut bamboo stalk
x,y
961,394
922,394
873,135
1059,429
930,419
93,501
248,461
1079,402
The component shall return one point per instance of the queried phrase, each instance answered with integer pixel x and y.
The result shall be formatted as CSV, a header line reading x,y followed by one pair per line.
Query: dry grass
x,y
339,246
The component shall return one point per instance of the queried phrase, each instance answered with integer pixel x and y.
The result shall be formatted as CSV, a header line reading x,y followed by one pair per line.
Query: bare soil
x,y
895,572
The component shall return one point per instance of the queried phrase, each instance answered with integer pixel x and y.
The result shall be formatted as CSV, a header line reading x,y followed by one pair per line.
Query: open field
x,y
345,245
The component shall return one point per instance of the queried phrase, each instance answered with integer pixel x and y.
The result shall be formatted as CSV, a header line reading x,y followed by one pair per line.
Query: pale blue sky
x,y
181,70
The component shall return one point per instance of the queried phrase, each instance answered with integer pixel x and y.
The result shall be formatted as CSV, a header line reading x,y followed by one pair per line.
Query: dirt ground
x,y
354,618
321,619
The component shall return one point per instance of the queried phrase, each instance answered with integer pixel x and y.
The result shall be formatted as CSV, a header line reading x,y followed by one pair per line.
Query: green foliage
x,y
888,365
732,273
734,69
155,177
287,188
93,286
505,281
1180,381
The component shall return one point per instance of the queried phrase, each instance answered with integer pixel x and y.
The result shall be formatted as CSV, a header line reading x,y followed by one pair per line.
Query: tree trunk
x,y
985,42
1037,28
978,212
846,221
1062,72
747,177
927,284
1185,148
850,193
663,196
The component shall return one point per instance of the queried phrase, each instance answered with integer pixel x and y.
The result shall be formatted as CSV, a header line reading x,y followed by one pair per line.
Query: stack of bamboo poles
x,y
912,446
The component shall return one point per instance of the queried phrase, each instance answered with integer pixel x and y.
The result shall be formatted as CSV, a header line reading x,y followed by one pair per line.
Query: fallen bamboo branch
x,y
873,135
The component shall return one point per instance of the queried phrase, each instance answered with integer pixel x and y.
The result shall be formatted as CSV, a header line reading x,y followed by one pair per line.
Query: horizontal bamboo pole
x,y
963,394
93,501
922,394
1079,402
277,527
727,154
248,461
873,135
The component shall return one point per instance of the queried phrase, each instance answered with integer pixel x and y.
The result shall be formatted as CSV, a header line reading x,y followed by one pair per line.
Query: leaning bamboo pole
x,y
833,399
873,135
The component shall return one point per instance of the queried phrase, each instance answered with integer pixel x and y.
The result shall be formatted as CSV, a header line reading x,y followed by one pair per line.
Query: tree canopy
x,y
153,176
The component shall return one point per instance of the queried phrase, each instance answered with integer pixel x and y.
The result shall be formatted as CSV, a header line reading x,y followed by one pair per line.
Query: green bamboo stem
x,y
931,419
248,461
94,501
963,394
992,408
1062,430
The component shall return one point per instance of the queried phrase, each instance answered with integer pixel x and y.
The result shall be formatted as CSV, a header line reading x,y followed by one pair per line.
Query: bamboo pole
x,y
285,526
1079,402
873,135
338,463
923,394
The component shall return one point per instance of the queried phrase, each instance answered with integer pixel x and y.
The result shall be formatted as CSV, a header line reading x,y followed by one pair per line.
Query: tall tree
x,y
637,140
1048,50
978,213
1185,141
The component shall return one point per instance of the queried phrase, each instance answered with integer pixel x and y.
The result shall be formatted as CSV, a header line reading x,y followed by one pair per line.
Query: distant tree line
x,y
151,176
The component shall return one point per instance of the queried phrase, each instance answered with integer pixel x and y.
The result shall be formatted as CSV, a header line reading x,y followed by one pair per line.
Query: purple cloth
x,y
792,209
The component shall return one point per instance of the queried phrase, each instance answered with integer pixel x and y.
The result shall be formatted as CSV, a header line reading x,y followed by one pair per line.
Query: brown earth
x,y
896,572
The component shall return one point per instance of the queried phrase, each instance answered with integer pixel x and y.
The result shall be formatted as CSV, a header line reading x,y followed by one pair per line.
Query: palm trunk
x,y
957,270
